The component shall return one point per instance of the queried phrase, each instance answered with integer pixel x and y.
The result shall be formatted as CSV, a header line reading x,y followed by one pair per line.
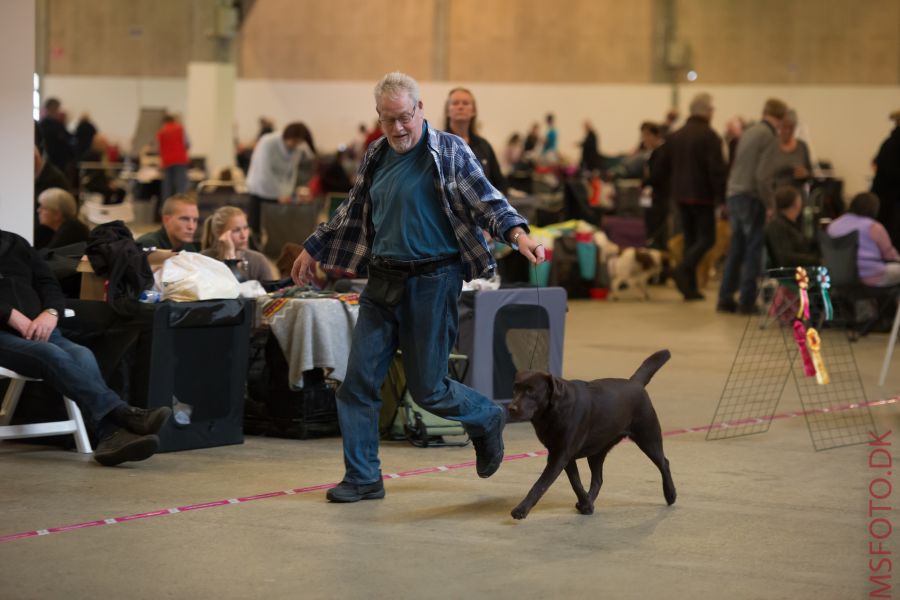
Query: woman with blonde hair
x,y
226,237
460,115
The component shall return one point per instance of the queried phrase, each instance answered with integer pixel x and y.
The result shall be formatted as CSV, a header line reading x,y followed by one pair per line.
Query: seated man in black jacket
x,y
31,345
784,240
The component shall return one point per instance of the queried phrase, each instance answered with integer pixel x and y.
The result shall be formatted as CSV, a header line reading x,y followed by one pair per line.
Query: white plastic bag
x,y
190,276
251,289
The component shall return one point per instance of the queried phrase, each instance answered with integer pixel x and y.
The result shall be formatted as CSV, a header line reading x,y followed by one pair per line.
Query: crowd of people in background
x,y
694,180
756,180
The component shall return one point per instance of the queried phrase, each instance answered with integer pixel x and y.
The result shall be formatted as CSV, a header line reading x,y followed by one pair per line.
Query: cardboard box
x,y
93,287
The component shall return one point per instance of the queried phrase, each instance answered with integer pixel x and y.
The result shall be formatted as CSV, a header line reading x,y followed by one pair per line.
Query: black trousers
x,y
698,221
656,222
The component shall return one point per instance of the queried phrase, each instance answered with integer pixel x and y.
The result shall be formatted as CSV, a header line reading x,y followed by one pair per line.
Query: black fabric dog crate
x,y
195,360
276,409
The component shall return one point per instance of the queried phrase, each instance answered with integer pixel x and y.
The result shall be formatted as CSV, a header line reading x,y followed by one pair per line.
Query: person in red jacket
x,y
173,156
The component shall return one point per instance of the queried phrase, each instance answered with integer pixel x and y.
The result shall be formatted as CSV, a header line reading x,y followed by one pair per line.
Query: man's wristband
x,y
515,237
52,311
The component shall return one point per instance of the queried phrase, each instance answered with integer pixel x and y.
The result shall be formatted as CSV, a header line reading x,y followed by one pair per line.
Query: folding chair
x,y
839,255
75,424
889,351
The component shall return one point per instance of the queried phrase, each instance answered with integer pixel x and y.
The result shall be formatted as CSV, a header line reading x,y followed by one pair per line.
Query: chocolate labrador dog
x,y
577,419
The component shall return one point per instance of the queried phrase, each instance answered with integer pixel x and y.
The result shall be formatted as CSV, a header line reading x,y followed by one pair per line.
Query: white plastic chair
x,y
75,424
889,351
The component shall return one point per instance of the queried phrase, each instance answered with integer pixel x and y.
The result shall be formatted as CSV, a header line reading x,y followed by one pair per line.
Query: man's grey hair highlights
x,y
701,105
790,118
396,84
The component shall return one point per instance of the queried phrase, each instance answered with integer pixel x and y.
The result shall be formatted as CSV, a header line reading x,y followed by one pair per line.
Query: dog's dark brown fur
x,y
578,419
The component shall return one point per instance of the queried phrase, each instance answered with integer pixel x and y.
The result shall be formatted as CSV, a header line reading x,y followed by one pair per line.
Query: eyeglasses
x,y
402,119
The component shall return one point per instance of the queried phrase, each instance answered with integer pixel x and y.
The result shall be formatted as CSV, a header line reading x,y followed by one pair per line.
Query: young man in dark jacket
x,y
30,344
785,241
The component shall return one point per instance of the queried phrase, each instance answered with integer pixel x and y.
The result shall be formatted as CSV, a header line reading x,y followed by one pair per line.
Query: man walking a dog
x,y
414,220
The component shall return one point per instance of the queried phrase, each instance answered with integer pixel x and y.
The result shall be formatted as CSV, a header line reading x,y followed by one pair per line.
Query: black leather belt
x,y
415,267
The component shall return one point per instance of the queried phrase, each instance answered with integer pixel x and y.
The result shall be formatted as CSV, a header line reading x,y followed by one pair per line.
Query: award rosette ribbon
x,y
803,283
815,346
800,337
824,281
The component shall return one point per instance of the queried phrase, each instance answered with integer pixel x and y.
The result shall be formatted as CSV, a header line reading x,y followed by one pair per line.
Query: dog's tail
x,y
650,366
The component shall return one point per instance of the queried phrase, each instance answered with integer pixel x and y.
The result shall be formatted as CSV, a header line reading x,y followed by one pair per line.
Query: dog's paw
x,y
670,496
585,508
519,512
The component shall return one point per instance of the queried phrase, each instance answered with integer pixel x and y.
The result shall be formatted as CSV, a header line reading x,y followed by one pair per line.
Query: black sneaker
x,y
681,281
351,492
726,306
489,448
141,420
124,446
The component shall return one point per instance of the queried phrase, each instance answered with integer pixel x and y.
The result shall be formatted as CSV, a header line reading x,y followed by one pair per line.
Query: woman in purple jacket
x,y
877,259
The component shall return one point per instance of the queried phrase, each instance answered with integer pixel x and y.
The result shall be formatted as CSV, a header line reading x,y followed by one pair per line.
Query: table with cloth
x,y
314,330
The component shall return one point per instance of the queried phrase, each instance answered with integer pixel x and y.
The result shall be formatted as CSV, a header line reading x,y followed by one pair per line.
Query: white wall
x,y
210,114
17,32
844,124
114,103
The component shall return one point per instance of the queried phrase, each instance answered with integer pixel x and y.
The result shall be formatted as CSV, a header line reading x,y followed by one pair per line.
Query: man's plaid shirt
x,y
468,199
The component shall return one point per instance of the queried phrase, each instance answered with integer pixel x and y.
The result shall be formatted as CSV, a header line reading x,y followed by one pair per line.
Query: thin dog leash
x,y
537,290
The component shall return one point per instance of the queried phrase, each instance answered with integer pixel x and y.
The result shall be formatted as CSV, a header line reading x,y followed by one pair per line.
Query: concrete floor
x,y
763,516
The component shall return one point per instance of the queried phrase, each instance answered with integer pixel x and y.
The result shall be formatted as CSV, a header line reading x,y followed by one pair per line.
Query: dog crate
x,y
508,330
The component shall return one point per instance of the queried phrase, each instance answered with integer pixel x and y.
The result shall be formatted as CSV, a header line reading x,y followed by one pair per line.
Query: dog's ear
x,y
557,387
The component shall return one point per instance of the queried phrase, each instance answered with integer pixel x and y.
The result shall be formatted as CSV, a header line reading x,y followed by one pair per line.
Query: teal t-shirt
x,y
410,223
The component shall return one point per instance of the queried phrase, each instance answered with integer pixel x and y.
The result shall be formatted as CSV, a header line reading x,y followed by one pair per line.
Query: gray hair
x,y
790,117
396,84
701,105
59,200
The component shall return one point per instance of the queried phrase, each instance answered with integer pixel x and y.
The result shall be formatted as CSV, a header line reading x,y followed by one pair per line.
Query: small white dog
x,y
606,246
634,267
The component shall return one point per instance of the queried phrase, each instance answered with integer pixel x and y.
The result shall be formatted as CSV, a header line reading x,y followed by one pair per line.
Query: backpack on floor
x,y
402,419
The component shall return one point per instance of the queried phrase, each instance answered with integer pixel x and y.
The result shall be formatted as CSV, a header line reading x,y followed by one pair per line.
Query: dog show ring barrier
x,y
799,332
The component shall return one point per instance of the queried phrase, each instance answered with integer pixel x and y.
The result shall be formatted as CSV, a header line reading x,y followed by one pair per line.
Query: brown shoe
x,y
124,446
141,420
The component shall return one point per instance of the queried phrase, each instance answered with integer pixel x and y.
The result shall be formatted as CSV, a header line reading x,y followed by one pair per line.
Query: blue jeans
x,y
175,181
67,367
743,265
423,325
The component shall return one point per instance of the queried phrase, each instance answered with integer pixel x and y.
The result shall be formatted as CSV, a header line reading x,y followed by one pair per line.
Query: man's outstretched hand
x,y
531,249
303,270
